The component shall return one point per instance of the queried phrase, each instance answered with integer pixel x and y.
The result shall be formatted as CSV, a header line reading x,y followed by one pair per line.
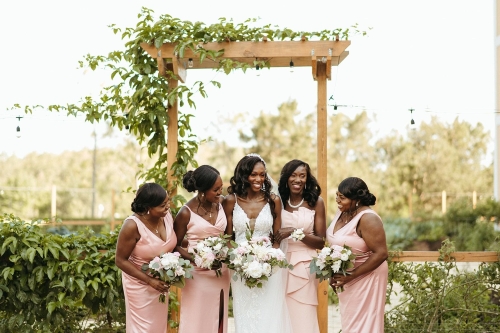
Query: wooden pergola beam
x,y
276,54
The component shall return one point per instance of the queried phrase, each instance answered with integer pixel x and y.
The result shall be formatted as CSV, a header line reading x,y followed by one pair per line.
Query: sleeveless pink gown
x,y
362,303
200,302
144,313
302,286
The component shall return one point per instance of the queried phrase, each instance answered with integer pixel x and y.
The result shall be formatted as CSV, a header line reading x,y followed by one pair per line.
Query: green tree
x,y
437,157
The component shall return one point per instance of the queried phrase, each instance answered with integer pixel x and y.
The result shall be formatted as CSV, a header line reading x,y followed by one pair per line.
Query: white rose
x,y
326,251
266,269
336,266
218,247
344,257
254,269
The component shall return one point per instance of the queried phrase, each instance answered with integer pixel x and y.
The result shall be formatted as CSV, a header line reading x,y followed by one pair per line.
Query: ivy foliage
x,y
138,98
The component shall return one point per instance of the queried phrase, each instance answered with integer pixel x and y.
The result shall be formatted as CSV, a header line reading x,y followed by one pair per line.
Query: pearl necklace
x,y
296,206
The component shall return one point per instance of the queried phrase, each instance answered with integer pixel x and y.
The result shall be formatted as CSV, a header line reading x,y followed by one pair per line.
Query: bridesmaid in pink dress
x,y
355,224
303,209
205,298
144,235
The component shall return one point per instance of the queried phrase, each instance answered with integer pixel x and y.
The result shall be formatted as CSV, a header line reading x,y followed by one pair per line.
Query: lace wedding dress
x,y
259,310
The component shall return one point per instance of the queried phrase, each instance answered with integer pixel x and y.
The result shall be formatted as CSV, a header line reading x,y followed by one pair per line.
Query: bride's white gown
x,y
259,310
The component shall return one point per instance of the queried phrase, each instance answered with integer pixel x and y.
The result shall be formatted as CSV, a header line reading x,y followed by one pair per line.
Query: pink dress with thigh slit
x,y
200,300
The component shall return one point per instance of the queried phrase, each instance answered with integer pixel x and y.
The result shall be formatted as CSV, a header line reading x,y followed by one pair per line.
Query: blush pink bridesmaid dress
x,y
200,302
362,303
144,313
302,286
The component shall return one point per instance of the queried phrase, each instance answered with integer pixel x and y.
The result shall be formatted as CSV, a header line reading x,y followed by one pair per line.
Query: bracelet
x,y
297,235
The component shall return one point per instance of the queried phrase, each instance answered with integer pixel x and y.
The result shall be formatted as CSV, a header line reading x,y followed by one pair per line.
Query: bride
x,y
251,203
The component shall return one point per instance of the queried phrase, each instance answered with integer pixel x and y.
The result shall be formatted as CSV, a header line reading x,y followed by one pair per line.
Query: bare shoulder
x,y
229,199
184,214
129,227
371,220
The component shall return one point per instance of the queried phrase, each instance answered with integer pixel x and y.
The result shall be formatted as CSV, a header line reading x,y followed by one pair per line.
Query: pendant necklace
x,y
295,206
206,211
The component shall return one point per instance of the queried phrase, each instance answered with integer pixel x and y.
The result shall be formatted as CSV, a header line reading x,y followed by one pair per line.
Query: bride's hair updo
x,y
201,179
355,188
148,195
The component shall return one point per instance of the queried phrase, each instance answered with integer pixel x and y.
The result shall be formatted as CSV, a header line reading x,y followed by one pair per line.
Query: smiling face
x,y
297,180
257,177
343,203
213,194
162,209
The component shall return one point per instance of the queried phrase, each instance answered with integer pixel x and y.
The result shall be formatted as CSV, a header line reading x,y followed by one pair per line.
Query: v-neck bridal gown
x,y
259,310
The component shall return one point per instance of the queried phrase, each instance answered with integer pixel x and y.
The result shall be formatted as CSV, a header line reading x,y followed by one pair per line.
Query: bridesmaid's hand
x,y
159,285
216,265
283,234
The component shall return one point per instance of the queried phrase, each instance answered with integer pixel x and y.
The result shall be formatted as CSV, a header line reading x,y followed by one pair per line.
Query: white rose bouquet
x,y
331,260
169,268
211,252
254,261
297,235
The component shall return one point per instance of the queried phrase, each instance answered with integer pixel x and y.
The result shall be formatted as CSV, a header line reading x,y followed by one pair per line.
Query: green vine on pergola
x,y
138,98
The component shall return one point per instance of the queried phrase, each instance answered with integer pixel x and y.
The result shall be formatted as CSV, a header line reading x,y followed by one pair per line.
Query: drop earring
x,y
305,187
357,204
263,188
148,212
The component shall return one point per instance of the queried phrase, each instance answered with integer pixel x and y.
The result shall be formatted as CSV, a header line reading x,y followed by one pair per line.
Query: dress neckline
x,y
201,217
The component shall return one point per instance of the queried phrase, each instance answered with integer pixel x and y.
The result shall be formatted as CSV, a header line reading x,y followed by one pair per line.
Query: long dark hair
x,y
312,190
147,196
239,181
355,188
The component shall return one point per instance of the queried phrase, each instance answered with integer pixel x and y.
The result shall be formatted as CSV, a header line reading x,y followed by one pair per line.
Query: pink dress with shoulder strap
x,y
362,303
200,303
144,313
302,286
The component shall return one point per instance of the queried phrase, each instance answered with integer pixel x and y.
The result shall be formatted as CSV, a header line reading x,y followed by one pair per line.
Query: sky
x,y
433,56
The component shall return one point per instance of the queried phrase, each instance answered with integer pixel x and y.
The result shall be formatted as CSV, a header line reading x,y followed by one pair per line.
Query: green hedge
x,y
55,283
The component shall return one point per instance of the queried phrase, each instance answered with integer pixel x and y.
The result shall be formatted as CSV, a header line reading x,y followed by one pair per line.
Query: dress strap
x,y
235,197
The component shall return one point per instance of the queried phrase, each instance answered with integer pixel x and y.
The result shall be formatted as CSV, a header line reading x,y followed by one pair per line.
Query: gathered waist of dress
x,y
361,258
300,246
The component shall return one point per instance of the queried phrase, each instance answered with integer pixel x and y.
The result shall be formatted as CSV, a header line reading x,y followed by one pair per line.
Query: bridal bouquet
x,y
331,260
169,268
211,251
255,260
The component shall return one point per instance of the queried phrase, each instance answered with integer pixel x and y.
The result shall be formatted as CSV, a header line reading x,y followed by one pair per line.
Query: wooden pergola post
x,y
322,180
319,55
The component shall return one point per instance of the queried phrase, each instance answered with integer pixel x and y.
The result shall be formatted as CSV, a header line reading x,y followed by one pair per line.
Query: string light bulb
x,y
190,63
412,122
291,66
18,128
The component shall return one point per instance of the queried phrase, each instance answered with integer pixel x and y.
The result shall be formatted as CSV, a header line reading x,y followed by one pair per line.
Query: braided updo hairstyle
x,y
355,188
148,195
201,179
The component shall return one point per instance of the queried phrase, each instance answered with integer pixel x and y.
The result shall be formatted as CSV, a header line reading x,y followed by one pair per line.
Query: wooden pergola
x,y
319,55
